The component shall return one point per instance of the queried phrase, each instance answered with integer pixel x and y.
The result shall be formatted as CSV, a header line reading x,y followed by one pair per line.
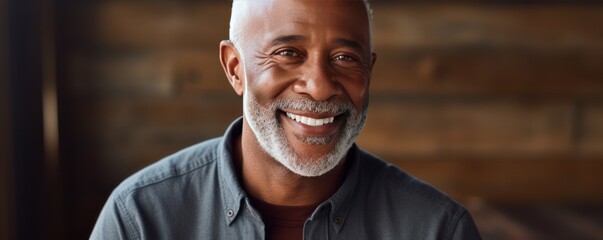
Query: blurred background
x,y
497,103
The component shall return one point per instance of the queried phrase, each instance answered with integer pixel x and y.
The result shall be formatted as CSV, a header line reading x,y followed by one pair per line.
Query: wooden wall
x,y
502,103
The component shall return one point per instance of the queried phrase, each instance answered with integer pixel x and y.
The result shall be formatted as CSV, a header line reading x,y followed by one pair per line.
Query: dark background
x,y
497,103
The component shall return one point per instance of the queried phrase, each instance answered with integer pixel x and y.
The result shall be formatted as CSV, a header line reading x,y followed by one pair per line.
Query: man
x,y
288,169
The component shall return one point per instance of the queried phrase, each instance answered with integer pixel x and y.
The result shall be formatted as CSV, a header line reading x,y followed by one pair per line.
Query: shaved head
x,y
244,9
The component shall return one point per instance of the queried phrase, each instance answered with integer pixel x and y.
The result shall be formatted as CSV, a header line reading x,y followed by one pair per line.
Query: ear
x,y
373,60
230,60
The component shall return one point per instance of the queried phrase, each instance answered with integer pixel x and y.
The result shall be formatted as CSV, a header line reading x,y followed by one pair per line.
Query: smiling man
x,y
289,168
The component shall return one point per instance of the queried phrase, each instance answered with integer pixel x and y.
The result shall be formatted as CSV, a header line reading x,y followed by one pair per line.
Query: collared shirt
x,y
195,194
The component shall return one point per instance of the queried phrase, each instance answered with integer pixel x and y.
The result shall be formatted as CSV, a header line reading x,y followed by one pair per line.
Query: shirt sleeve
x,y
112,223
466,229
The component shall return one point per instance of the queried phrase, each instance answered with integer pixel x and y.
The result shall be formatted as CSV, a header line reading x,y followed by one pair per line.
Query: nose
x,y
317,81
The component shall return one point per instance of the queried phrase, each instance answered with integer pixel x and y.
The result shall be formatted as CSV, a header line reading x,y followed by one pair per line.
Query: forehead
x,y
313,19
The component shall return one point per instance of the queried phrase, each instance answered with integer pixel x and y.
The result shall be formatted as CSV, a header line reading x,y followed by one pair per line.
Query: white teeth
x,y
311,121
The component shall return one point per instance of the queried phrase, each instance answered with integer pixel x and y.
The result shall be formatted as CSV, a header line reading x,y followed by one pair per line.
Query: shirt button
x,y
229,213
338,219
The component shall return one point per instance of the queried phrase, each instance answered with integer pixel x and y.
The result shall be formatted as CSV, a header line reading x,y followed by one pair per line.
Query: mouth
x,y
311,124
310,121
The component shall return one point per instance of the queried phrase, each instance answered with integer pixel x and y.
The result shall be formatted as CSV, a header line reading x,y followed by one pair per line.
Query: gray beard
x,y
270,134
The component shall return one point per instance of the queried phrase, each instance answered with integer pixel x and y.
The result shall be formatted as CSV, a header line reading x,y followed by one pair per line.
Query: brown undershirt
x,y
283,222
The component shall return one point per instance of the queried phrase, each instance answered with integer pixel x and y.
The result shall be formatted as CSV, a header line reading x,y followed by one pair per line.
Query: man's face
x,y
306,68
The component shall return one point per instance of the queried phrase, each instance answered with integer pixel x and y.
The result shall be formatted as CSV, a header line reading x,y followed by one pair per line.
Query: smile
x,y
310,121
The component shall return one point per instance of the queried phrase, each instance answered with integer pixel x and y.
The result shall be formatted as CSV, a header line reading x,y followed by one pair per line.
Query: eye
x,y
344,58
346,61
287,56
287,53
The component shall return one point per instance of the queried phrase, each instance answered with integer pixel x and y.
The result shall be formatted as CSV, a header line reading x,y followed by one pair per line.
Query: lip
x,y
312,131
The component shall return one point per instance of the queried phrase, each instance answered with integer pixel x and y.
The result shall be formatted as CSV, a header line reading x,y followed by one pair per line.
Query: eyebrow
x,y
350,43
296,38
287,39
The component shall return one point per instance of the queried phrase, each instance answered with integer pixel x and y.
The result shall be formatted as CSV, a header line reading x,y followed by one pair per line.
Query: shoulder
x,y
398,182
161,199
168,171
409,199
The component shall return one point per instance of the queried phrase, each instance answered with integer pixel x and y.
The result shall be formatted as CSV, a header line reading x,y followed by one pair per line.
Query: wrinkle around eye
x,y
263,59
287,56
268,61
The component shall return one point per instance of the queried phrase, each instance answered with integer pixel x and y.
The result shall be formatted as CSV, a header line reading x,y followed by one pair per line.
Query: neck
x,y
268,180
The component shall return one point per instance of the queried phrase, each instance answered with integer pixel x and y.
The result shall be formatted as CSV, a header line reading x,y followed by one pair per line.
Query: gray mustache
x,y
308,105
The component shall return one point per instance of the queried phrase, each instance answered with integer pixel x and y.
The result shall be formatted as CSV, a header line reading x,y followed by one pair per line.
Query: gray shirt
x,y
195,194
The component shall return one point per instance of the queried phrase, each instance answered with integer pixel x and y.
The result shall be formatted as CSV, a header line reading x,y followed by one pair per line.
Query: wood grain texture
x,y
496,71
472,127
513,180
151,25
497,26
147,74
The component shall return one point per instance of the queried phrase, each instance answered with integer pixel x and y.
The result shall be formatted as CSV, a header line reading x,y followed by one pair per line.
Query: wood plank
x,y
450,25
143,74
157,24
511,180
496,71
415,127
120,137
114,74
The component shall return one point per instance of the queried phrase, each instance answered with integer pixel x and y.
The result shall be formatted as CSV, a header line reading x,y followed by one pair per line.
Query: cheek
x,y
357,90
267,84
